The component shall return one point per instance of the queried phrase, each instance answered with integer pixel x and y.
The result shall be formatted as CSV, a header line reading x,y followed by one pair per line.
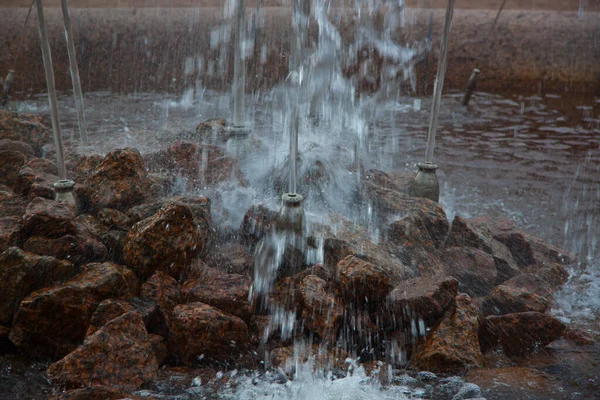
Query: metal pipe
x,y
49,70
439,81
74,73
239,70
471,85
295,126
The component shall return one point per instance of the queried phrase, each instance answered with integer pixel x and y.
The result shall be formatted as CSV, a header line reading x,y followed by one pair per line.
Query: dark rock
x,y
428,298
86,166
227,292
199,329
114,219
36,178
114,241
11,204
154,317
49,218
257,222
22,273
119,355
454,344
446,388
465,234
53,321
232,258
119,182
213,130
362,282
164,289
29,128
92,224
167,241
15,145
553,273
159,346
398,182
10,232
468,391
106,311
578,336
97,393
322,312
519,333
11,163
474,269
526,292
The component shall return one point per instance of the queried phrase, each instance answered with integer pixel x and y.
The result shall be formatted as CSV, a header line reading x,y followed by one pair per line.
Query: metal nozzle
x,y
471,85
63,190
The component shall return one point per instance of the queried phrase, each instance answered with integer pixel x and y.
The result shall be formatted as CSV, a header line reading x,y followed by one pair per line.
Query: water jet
x,y
471,85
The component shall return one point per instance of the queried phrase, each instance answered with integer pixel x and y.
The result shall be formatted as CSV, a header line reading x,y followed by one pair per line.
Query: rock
x,y
453,345
22,273
519,333
119,355
322,312
213,130
10,232
422,298
227,292
114,241
11,163
446,388
155,319
92,224
198,329
164,289
36,179
119,182
29,128
474,269
362,282
553,273
114,219
97,393
49,218
578,336
465,234
514,382
232,258
86,166
167,241
398,182
526,292
286,359
182,159
257,222
468,391
159,346
11,204
53,321
18,146
426,376
106,311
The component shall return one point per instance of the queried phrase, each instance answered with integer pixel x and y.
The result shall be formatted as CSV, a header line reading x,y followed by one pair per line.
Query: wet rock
x,y
49,218
465,234
119,182
213,130
11,204
519,333
553,273
29,128
513,382
18,146
454,344
53,321
398,182
11,163
92,224
36,178
526,292
468,391
119,355
114,219
426,376
106,311
428,298
363,282
22,273
199,329
232,258
159,346
10,232
114,241
97,392
257,222
164,289
322,312
167,241
446,388
578,336
526,249
286,358
227,292
155,319
185,159
86,166
474,269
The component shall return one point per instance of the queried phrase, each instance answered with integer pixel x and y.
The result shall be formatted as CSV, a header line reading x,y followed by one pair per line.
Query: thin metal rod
x,y
22,35
498,15
439,81
47,56
239,67
295,126
77,93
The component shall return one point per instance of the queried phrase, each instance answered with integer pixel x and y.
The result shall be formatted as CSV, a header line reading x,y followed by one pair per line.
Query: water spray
x,y
8,82
239,73
425,184
60,191
471,85
74,73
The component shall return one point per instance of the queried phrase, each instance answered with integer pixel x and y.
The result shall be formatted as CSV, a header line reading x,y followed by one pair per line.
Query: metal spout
x,y
425,183
291,218
471,85
8,82
63,191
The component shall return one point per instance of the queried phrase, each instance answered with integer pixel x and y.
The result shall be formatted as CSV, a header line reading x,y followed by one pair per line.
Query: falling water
x,y
239,71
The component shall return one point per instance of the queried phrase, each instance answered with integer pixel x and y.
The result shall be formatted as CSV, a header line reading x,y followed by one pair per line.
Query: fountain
x,y
239,125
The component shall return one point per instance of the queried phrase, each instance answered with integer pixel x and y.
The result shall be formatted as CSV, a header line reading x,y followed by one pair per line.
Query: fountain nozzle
x,y
425,183
471,85
63,190
291,215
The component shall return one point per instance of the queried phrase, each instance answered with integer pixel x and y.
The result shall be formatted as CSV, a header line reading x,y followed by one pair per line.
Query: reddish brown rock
x,y
232,258
86,166
213,130
21,273
118,355
164,289
18,146
92,224
98,393
182,158
515,382
119,182
553,273
526,292
49,218
159,346
199,329
578,336
36,178
114,219
428,298
114,241
519,333
10,232
362,282
168,241
155,318
453,345
398,182
29,128
257,222
465,234
53,321
474,269
11,163
322,312
106,311
227,292
11,204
